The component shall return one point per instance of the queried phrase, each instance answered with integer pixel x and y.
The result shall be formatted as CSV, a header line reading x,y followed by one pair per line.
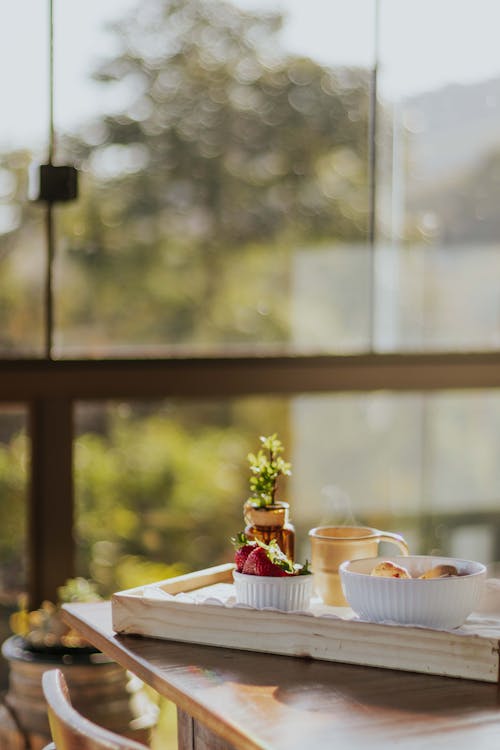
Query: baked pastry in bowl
x,y
437,592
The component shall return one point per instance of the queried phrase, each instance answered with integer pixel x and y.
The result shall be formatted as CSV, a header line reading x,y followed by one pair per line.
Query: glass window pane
x,y
23,133
160,487
224,179
241,222
428,466
438,259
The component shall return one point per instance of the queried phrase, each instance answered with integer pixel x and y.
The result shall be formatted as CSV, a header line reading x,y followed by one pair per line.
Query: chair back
x,y
72,731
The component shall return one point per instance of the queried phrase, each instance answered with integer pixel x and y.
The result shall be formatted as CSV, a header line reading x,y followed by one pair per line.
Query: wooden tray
x,y
147,611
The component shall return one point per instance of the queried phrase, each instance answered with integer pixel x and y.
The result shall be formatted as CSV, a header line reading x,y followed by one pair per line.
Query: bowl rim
x,y
250,577
439,559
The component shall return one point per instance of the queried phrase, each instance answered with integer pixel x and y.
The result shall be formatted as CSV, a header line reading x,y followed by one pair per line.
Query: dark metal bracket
x,y
53,184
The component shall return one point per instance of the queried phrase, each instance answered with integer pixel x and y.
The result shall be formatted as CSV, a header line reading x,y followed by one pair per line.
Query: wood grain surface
x,y
260,701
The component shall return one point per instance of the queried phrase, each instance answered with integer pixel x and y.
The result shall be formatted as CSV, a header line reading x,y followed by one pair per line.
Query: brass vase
x,y
270,522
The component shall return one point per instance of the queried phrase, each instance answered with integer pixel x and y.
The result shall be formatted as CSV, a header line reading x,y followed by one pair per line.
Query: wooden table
x,y
250,701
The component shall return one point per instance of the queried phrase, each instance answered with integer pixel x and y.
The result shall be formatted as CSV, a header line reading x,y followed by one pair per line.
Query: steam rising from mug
x,y
337,506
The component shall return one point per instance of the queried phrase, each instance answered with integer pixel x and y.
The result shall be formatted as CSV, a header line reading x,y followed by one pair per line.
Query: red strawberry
x,y
259,564
243,548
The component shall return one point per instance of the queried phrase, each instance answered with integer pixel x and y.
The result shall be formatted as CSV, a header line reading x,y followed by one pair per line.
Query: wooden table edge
x,y
73,616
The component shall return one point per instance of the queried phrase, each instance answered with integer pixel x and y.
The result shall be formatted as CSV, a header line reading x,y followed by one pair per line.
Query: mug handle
x,y
397,539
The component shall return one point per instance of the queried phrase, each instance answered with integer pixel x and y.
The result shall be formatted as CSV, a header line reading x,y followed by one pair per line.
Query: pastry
x,y
440,571
388,569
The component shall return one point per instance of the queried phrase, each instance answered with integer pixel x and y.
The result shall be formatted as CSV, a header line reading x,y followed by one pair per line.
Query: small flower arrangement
x,y
43,628
266,467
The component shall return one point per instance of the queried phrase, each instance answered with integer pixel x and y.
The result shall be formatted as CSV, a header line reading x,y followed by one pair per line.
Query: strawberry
x,y
243,547
259,564
268,560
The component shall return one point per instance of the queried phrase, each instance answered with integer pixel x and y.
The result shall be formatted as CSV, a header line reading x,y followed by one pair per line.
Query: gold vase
x,y
270,522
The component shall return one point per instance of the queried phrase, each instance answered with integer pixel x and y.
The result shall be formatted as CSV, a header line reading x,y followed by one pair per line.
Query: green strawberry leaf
x,y
302,570
276,555
240,540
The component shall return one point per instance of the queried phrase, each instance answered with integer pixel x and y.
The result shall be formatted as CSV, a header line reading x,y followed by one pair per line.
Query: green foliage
x,y
165,495
13,510
231,126
159,487
133,570
78,590
229,154
267,466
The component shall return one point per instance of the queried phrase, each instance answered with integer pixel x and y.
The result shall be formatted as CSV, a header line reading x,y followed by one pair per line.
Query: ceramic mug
x,y
332,545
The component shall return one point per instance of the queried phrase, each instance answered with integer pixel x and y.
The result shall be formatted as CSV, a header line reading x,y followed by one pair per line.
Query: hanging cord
x,y
49,223
51,83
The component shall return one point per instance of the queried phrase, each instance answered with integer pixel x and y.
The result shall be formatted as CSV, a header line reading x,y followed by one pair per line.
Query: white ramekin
x,y
436,602
290,594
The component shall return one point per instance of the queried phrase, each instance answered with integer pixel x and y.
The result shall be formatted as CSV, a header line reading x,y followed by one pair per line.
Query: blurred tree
x,y
226,144
21,259
13,514
175,507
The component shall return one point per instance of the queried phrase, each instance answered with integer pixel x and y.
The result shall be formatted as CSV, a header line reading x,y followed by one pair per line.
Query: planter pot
x,y
97,686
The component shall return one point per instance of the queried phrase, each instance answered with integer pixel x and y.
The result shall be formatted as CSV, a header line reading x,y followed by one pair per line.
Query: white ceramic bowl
x,y
290,594
436,602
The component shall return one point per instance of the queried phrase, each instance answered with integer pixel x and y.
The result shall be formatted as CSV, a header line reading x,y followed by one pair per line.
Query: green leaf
x,y
266,467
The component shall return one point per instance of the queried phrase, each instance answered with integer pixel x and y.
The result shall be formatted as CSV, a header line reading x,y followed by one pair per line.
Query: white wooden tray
x,y
199,608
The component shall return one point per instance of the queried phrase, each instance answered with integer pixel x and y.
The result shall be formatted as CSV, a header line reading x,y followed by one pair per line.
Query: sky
x,y
424,44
